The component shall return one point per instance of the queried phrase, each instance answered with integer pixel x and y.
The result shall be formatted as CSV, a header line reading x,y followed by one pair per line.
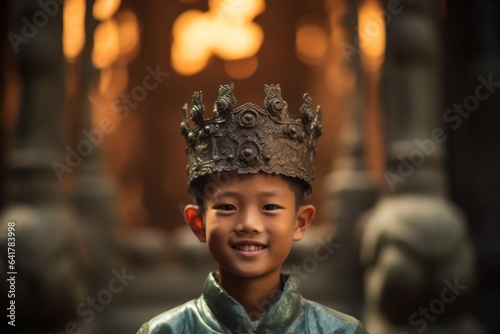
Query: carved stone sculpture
x,y
49,260
419,263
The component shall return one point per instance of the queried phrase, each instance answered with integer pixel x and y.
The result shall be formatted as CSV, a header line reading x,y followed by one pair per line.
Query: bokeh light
x,y
226,31
371,28
311,43
106,44
105,9
73,28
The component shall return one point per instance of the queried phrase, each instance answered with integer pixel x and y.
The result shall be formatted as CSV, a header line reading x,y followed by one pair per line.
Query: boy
x,y
249,170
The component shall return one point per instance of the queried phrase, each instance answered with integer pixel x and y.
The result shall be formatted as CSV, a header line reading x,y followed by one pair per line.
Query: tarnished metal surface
x,y
249,139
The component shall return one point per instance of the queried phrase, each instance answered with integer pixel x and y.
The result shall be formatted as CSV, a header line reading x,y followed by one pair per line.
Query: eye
x,y
271,207
225,207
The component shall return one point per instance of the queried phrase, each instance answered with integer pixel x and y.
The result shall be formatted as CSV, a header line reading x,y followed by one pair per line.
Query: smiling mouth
x,y
249,248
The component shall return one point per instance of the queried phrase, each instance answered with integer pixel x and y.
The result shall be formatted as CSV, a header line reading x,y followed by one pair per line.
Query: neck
x,y
254,294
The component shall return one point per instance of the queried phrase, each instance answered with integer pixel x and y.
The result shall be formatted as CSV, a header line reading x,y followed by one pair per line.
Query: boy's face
x,y
250,224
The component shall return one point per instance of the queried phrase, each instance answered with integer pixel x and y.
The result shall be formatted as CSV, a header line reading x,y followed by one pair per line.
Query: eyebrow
x,y
235,194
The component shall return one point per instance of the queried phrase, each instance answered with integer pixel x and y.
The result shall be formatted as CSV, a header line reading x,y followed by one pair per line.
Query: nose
x,y
249,222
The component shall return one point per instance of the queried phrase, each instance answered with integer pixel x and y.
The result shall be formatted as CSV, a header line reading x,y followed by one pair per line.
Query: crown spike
x,y
225,102
306,114
273,101
197,109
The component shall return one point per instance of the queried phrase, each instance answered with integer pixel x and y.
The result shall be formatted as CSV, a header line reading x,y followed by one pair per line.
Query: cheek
x,y
217,245
282,232
216,237
284,224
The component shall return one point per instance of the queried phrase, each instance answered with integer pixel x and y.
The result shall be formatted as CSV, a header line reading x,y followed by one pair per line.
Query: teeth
x,y
249,247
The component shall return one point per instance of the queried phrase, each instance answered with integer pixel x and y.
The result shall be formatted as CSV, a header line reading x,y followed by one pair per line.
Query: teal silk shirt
x,y
217,312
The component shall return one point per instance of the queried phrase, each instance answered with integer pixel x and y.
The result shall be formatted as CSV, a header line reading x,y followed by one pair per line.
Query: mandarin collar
x,y
232,316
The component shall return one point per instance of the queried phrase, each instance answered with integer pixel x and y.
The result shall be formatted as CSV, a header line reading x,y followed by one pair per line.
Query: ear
x,y
305,216
194,219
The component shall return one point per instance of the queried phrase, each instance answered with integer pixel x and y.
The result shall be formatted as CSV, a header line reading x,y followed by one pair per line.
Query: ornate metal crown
x,y
249,139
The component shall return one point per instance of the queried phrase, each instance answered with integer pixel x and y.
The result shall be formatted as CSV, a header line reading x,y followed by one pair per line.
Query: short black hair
x,y
200,188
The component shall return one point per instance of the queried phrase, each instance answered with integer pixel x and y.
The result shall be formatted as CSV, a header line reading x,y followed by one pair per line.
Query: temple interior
x,y
93,166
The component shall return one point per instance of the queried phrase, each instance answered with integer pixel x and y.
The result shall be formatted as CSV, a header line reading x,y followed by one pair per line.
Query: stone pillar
x,y
419,270
49,255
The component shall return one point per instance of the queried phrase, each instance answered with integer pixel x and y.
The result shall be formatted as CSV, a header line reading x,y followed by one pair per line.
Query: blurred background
x,y
92,164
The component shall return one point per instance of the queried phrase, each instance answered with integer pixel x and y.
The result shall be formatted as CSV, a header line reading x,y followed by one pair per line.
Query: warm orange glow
x,y
238,42
105,78
73,28
311,43
341,79
241,69
371,27
226,31
105,9
128,30
188,61
236,10
339,76
112,81
112,38
191,55
106,44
